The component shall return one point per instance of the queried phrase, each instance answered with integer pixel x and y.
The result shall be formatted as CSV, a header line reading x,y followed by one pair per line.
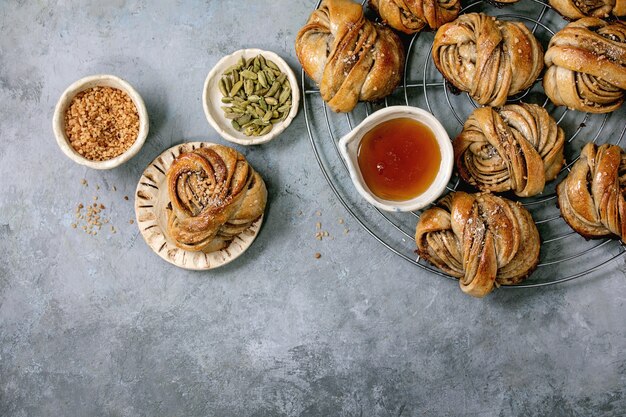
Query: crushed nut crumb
x,y
101,123
91,219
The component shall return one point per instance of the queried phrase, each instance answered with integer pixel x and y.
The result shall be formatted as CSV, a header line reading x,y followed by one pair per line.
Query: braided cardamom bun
x,y
577,9
591,197
586,63
482,239
411,16
215,196
490,59
516,147
349,57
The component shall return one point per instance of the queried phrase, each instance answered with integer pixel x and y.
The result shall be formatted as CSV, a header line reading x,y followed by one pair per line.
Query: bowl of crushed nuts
x,y
250,96
100,121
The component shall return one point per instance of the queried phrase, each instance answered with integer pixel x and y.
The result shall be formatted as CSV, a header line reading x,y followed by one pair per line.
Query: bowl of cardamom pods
x,y
250,96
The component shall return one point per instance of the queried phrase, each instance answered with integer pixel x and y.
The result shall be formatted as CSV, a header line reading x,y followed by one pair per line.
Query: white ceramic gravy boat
x,y
349,147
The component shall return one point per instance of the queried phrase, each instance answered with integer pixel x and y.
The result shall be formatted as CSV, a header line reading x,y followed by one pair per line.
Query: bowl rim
x,y
221,126
108,80
348,147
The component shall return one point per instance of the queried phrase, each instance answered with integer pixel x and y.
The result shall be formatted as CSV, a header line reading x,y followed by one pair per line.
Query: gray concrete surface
x,y
100,326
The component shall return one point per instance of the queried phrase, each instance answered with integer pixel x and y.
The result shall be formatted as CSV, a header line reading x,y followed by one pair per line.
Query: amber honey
x,y
399,159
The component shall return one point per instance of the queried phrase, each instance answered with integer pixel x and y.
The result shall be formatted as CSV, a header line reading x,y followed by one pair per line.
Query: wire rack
x,y
564,254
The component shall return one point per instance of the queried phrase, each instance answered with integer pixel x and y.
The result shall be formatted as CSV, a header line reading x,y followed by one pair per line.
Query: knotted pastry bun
x,y
516,147
586,63
490,59
591,197
577,9
215,195
349,57
482,239
411,16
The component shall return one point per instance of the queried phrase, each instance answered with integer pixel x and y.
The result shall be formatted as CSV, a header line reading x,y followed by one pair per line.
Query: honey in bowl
x,y
399,159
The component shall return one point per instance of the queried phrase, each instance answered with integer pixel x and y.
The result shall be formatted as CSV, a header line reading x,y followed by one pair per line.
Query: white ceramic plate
x,y
151,200
211,98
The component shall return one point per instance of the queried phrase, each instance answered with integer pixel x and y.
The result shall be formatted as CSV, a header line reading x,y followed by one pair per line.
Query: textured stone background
x,y
101,326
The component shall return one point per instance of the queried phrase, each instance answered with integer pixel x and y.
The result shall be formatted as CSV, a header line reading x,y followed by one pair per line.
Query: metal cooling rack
x,y
564,254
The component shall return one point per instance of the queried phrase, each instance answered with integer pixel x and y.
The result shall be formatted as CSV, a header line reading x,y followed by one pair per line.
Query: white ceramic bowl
x,y
349,147
58,121
211,98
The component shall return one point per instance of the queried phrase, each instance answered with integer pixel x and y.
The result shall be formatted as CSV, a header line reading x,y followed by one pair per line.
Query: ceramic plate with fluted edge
x,y
151,201
211,98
